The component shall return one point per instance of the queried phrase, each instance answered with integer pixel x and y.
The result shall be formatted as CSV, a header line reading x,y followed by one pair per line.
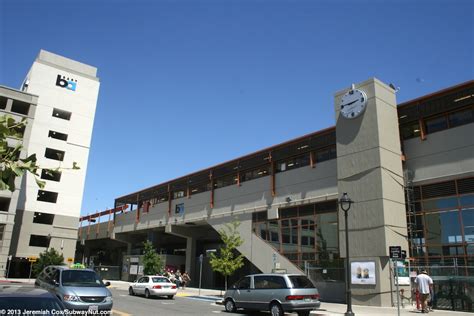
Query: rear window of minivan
x,y
301,282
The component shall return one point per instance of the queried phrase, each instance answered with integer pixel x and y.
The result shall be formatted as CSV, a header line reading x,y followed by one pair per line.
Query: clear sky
x,y
189,84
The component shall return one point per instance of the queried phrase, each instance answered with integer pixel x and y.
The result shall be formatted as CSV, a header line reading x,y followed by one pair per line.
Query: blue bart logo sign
x,y
68,83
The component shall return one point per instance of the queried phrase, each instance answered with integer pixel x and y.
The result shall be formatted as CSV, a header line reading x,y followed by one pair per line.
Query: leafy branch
x,y
11,165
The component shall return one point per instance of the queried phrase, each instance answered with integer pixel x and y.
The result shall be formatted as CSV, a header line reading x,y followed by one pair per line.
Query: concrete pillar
x,y
190,254
369,169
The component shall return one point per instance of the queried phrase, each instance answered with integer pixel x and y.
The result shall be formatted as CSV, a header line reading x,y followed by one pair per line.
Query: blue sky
x,y
189,84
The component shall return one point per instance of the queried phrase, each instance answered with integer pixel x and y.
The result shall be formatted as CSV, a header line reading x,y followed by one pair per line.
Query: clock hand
x,y
351,102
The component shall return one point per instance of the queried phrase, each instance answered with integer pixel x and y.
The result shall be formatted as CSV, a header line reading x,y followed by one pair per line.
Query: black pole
x,y
348,271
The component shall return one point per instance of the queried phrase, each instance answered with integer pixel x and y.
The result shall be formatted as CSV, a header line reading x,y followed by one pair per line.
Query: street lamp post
x,y
345,202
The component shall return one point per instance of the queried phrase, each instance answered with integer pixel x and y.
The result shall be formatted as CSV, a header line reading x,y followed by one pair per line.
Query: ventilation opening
x,y
4,204
20,107
54,154
57,135
65,115
466,185
438,189
43,218
51,175
47,196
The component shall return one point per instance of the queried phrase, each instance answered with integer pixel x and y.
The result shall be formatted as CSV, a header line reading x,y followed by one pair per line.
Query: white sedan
x,y
154,285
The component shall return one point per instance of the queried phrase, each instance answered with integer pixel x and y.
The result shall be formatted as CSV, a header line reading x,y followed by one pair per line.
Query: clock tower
x,y
369,169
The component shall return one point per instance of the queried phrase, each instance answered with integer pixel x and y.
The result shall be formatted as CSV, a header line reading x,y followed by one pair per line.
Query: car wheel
x,y
130,291
147,293
170,297
303,313
229,306
276,310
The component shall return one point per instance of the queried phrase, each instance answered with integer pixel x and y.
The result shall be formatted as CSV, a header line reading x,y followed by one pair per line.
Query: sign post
x,y
201,257
9,264
395,255
32,260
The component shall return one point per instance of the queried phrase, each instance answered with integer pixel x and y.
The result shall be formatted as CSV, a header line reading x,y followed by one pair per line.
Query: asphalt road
x,y
125,305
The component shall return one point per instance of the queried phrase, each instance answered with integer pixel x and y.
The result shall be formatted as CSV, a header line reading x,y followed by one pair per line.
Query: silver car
x,y
277,293
78,289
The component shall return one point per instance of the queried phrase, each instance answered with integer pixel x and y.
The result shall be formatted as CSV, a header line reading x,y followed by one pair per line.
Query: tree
x,y
228,262
50,257
151,260
11,165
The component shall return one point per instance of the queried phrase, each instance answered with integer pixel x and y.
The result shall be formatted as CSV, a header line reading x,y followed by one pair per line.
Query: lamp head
x,y
345,202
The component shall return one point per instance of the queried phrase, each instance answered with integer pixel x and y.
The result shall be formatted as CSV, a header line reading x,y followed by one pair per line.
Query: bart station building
x,y
408,168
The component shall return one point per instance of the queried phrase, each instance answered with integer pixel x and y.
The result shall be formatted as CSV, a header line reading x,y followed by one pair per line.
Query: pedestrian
x,y
179,278
186,279
425,286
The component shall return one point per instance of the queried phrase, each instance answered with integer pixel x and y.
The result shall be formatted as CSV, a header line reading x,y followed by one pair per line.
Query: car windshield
x,y
27,305
81,278
160,280
301,282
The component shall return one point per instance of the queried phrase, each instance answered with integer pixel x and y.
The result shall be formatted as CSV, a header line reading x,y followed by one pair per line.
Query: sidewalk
x,y
327,309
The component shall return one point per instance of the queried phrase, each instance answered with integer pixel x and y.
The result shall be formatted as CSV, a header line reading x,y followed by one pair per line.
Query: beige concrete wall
x,y
444,155
369,169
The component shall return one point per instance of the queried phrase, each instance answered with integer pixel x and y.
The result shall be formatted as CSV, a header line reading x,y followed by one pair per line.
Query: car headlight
x,y
109,299
71,298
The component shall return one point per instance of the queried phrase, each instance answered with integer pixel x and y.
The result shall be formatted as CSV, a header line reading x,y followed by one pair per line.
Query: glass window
x,y
410,130
4,204
293,163
461,117
52,175
269,282
225,181
301,282
20,107
54,154
2,230
160,280
39,241
470,250
3,102
442,203
467,200
199,187
445,250
57,135
243,283
65,115
255,173
443,228
82,278
43,218
468,223
436,124
326,154
47,196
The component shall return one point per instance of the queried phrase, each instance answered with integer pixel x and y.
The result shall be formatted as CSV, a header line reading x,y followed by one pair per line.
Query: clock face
x,y
353,103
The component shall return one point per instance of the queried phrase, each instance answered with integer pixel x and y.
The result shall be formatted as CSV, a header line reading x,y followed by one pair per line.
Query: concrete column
x,y
190,254
369,169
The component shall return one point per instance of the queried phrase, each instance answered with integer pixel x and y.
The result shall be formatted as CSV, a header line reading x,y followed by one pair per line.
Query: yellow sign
x,y
32,259
70,259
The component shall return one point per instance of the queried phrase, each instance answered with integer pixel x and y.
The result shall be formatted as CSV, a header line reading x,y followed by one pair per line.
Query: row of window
x,y
262,171
55,154
18,107
438,123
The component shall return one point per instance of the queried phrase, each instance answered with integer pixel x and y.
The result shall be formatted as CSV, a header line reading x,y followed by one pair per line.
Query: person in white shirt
x,y
425,285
